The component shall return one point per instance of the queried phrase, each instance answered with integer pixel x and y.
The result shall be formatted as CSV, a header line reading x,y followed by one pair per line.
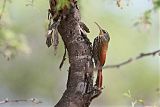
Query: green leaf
x,y
141,101
12,43
128,94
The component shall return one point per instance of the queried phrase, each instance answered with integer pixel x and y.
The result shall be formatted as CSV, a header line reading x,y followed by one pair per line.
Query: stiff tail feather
x,y
99,78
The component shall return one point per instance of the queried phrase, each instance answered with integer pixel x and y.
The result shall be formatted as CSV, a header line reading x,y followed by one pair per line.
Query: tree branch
x,y
33,100
140,56
80,90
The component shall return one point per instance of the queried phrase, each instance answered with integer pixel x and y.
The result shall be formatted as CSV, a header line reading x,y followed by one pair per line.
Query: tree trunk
x,y
80,90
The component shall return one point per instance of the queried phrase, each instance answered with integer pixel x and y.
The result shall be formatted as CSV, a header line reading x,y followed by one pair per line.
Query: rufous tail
x,y
99,79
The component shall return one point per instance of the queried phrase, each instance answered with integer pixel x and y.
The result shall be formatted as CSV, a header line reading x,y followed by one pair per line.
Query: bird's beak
x,y
101,30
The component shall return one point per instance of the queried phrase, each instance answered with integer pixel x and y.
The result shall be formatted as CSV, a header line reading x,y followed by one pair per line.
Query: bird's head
x,y
103,33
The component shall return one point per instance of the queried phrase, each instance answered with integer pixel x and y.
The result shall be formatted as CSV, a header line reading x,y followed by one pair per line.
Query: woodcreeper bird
x,y
100,47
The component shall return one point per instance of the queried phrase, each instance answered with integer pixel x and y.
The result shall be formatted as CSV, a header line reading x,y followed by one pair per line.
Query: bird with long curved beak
x,y
100,48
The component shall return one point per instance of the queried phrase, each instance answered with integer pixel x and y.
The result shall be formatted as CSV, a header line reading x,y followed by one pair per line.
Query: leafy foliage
x,y
145,19
134,100
156,4
62,3
11,43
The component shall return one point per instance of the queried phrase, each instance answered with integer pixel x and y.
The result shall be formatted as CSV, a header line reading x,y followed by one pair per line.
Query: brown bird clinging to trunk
x,y
100,47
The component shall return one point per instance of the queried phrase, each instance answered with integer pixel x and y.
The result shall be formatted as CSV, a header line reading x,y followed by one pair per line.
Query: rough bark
x,y
80,90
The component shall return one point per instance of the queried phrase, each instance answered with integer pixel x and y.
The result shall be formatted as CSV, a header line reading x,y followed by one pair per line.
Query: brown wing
x,y
96,48
103,49
103,52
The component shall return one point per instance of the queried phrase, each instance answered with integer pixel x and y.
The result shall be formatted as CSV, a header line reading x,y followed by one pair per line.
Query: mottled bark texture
x,y
80,90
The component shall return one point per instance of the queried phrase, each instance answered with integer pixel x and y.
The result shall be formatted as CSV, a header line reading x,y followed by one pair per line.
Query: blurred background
x,y
28,69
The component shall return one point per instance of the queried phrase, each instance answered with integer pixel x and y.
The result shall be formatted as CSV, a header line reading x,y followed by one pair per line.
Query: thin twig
x,y
3,8
33,100
148,54
118,65
141,55
64,58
